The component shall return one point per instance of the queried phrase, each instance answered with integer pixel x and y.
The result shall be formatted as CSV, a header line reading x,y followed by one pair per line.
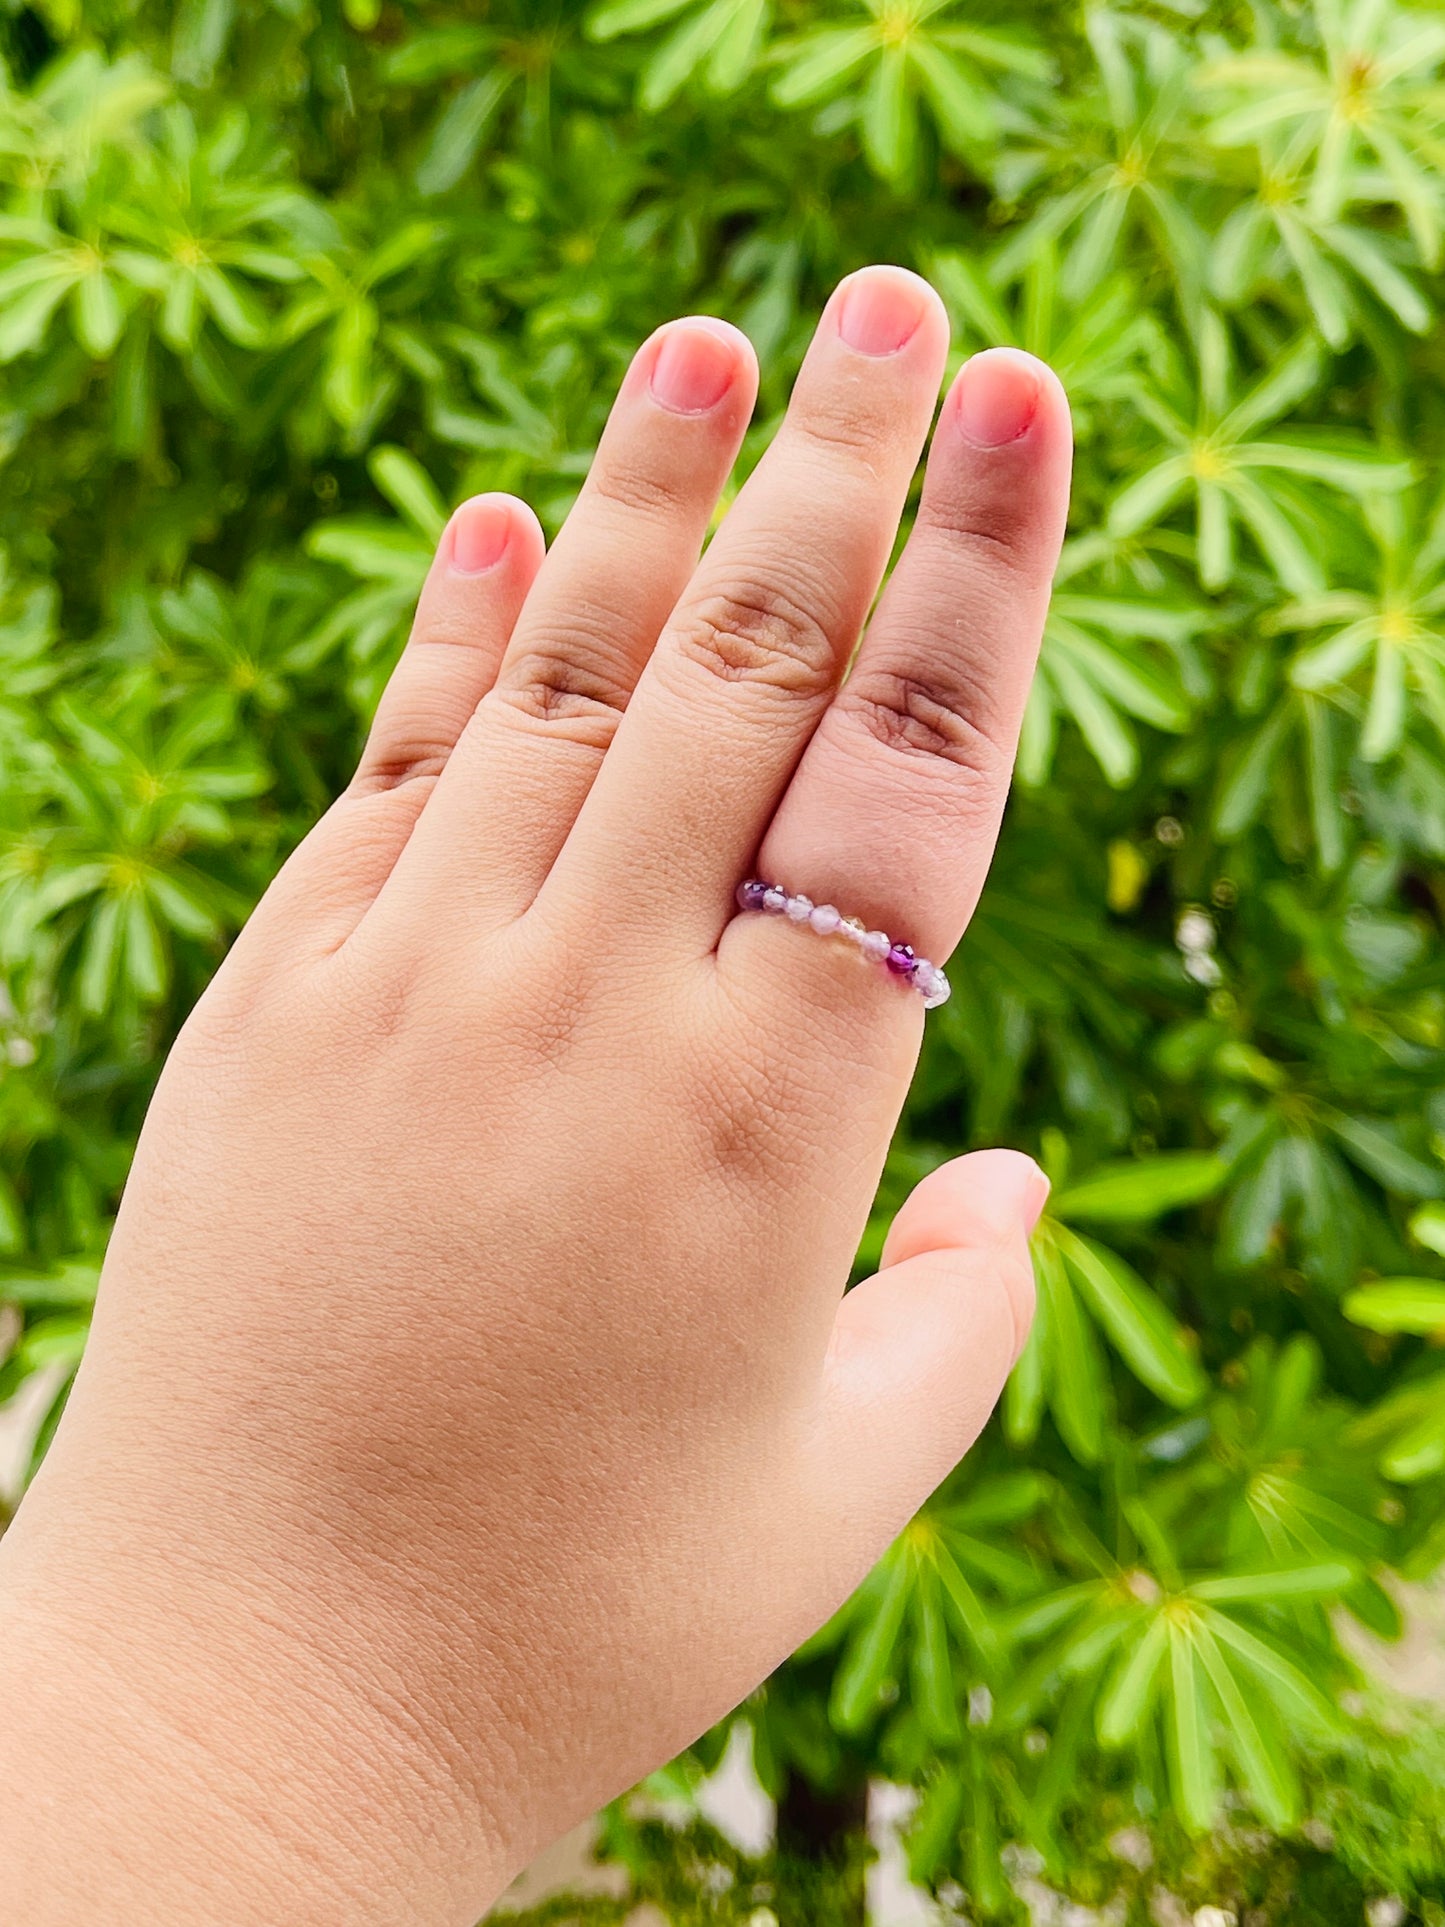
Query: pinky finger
x,y
488,555
484,565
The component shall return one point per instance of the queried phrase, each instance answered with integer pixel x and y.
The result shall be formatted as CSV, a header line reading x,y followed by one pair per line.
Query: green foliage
x,y
280,281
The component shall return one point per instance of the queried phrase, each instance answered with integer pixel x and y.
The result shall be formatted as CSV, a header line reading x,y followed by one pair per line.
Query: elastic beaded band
x,y
898,958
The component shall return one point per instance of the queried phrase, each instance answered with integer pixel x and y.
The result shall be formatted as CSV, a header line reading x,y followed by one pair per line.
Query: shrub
x,y
279,280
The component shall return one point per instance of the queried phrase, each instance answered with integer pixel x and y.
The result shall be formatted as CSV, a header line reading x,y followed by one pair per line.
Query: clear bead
x,y
799,909
930,981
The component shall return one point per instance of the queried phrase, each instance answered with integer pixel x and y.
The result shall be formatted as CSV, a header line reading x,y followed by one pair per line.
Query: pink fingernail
x,y
1036,1196
480,531
694,369
997,397
881,311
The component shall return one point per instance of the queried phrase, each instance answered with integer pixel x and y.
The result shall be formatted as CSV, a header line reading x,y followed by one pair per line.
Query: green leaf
x,y
870,1653
1076,1390
1112,744
1398,1305
1427,1227
1419,1451
1377,1152
1385,719
457,137
1149,496
964,110
1296,1697
1023,1399
888,125
1320,1581
1143,1333
821,63
739,45
977,1627
1193,1762
1124,1704
681,54
102,946
1259,1749
25,320
1139,1191
52,1342
98,314
408,487
933,1689
630,16
1242,793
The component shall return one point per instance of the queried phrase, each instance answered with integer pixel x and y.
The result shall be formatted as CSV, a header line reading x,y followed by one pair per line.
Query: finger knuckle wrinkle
x,y
635,491
763,634
839,424
998,543
562,685
915,716
396,766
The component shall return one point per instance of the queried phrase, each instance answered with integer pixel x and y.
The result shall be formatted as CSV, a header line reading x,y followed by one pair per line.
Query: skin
x,y
473,1413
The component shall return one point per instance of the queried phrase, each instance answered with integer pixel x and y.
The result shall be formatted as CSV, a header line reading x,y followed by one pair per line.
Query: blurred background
x,y
282,279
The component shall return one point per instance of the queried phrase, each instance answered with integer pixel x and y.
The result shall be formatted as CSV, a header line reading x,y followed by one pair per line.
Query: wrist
x,y
211,1746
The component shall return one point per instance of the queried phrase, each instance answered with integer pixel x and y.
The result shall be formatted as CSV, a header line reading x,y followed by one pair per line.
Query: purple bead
x,y
901,960
751,894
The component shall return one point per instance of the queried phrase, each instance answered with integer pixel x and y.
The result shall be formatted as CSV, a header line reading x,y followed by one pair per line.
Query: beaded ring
x,y
898,958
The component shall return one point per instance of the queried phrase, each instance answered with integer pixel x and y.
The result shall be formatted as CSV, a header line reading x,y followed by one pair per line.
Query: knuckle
x,y
835,422
762,633
634,489
566,682
995,539
927,716
445,624
394,765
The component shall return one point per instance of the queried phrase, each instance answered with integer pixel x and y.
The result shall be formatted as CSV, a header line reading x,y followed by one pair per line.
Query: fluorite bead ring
x,y
897,958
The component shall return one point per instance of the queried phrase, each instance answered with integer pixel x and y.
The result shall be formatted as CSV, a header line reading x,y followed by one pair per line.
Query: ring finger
x,y
894,810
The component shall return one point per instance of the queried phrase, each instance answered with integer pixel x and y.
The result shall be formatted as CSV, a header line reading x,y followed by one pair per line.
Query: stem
x,y
824,1832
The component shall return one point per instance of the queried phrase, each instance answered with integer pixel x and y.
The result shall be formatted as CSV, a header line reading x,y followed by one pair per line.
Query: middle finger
x,y
753,651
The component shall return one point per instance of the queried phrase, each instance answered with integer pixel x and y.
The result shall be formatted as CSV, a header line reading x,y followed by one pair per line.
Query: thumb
x,y
920,1351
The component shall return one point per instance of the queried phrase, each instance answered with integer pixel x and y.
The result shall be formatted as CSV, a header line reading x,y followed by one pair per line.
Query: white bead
x,y
876,945
853,930
775,900
799,909
931,982
825,920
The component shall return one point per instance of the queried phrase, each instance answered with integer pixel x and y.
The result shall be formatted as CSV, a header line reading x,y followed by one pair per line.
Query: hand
x,y
473,1413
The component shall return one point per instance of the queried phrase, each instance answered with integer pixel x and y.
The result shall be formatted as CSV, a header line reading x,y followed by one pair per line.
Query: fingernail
x,y
1035,1197
998,397
693,371
481,530
881,312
